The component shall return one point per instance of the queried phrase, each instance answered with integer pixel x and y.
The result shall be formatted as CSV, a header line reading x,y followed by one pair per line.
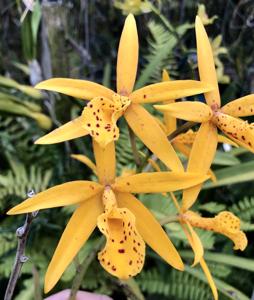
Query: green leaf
x,y
222,286
230,260
212,207
225,159
231,175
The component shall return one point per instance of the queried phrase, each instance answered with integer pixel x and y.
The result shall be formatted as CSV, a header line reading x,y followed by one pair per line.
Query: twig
x,y
131,289
82,268
185,127
21,258
134,148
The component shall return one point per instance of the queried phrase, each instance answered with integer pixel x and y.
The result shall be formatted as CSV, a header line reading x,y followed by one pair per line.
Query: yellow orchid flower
x,y
101,114
224,223
211,115
125,222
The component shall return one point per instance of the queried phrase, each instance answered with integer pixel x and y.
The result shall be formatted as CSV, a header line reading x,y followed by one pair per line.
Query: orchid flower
x,y
225,223
211,116
100,115
125,222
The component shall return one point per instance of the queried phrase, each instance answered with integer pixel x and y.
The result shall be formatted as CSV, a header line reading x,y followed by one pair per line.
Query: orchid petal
x,y
169,121
195,243
127,58
76,233
100,117
81,89
189,111
223,139
241,107
149,131
157,182
105,162
209,278
224,223
71,130
238,130
168,90
124,253
61,195
200,160
151,230
206,65
85,160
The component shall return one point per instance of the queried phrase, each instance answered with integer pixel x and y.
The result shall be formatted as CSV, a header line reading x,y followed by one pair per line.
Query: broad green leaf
x,y
26,89
235,174
230,260
225,159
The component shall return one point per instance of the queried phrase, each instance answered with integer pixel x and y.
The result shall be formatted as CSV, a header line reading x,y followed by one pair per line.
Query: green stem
x,y
134,148
185,127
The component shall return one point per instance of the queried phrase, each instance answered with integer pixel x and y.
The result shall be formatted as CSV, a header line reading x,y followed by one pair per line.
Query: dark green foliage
x,y
85,46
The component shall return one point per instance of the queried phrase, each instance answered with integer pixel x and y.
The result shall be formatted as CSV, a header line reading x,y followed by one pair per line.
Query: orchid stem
x,y
185,127
134,148
82,268
22,235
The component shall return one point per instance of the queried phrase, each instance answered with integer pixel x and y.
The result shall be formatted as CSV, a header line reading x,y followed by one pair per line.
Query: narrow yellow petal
x,y
189,111
189,137
195,243
201,157
81,89
212,176
127,57
71,130
241,107
223,139
165,75
206,65
149,131
100,117
185,150
186,137
169,121
151,231
105,162
76,233
85,160
157,182
224,223
64,194
209,278
168,90
238,130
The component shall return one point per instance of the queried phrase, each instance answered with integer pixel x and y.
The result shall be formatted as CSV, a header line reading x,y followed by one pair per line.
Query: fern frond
x,y
175,285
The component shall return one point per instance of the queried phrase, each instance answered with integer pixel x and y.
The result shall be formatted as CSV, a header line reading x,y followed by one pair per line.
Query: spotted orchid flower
x,y
124,221
211,116
225,223
100,115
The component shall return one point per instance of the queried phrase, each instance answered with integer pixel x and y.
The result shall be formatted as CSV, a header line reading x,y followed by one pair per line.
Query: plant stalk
x,y
22,235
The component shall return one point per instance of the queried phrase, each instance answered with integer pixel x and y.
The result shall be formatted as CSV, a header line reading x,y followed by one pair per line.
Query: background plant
x,y
77,39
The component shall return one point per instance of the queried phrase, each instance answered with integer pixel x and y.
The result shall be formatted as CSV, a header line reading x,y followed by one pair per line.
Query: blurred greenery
x,y
79,39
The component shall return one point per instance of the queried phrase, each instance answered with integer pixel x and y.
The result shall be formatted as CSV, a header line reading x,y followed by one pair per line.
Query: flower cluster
x,y
110,203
